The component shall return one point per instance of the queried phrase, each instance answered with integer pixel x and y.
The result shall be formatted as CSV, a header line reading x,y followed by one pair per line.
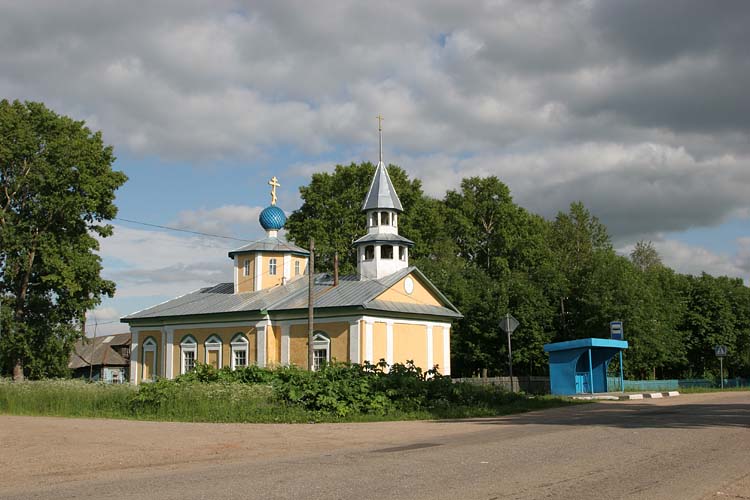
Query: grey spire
x,y
382,193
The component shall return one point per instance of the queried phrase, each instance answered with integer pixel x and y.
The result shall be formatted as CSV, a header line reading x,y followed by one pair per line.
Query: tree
x,y
645,256
57,186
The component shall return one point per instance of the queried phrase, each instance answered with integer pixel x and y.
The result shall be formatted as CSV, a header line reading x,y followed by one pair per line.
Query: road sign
x,y
720,350
509,323
615,330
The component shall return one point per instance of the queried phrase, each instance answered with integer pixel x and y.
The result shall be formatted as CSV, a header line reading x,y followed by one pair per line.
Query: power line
x,y
181,230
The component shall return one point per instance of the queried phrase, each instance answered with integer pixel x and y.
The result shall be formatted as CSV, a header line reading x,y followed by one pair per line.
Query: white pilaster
x,y
446,350
389,342
285,341
236,274
288,266
430,359
261,343
354,342
258,271
134,357
169,361
368,342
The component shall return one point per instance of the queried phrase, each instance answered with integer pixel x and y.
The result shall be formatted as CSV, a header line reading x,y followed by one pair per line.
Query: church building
x,y
388,310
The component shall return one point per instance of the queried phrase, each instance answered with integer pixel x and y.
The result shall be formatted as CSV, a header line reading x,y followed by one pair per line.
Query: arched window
x,y
369,252
384,218
213,351
386,252
272,267
321,350
401,253
149,359
188,353
374,219
239,351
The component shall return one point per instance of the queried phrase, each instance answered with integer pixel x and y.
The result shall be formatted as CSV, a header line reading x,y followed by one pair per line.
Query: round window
x,y
408,285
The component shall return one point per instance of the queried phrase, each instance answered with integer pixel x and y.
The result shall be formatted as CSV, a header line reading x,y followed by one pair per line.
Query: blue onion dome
x,y
272,218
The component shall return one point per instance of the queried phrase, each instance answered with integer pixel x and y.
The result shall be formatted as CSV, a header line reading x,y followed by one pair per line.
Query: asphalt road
x,y
693,446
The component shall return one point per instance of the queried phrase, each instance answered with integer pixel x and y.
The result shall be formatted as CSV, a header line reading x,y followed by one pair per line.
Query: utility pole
x,y
310,322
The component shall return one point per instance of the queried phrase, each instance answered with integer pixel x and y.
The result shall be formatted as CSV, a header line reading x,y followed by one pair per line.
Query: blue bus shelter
x,y
580,366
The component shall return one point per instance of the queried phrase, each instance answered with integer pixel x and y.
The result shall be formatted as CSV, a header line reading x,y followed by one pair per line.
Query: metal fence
x,y
530,385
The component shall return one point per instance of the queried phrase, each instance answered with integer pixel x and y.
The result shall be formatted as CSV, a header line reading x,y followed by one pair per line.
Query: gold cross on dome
x,y
274,183
380,122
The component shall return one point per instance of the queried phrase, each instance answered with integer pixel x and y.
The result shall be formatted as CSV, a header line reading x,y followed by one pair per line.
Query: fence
x,y
531,385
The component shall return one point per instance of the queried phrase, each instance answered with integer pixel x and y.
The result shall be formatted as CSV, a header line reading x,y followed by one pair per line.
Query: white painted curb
x,y
672,393
653,395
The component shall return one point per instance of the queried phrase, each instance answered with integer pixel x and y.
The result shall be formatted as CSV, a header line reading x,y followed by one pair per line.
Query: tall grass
x,y
337,393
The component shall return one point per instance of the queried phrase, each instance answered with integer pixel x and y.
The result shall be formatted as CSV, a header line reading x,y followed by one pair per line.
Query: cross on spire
x,y
274,183
380,135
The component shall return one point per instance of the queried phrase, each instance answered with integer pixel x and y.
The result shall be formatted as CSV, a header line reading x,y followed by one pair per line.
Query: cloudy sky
x,y
639,109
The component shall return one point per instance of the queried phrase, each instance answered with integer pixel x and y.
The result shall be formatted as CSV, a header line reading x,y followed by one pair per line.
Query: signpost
x,y
615,330
508,324
721,352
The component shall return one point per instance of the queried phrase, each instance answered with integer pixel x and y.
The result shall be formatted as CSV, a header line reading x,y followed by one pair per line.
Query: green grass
x,y
695,390
226,402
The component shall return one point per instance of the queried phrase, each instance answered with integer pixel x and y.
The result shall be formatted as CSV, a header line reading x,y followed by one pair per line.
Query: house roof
x,y
383,238
382,194
99,351
350,292
270,244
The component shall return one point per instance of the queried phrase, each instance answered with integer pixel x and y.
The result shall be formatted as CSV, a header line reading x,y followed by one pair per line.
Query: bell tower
x,y
382,251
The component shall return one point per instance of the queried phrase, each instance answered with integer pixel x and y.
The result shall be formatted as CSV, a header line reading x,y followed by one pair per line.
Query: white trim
x,y
368,341
354,341
260,344
213,346
258,281
407,321
389,342
239,345
430,359
134,356
287,266
285,341
236,274
188,347
446,351
149,345
169,353
323,342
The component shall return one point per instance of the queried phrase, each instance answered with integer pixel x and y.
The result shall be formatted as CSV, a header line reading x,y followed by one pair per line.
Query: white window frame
x,y
213,343
188,344
321,341
149,346
240,343
272,266
246,268
296,268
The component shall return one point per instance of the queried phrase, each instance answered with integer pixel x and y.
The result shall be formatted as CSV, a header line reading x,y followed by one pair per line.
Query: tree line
x,y
560,278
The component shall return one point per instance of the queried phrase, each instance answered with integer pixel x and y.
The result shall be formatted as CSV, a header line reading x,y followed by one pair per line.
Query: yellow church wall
x,y
379,342
410,343
437,348
142,337
202,334
245,283
269,280
420,294
338,332
273,345
302,266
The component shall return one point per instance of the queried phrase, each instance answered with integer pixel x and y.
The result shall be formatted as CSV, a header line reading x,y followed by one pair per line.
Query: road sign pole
x,y
721,374
510,356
